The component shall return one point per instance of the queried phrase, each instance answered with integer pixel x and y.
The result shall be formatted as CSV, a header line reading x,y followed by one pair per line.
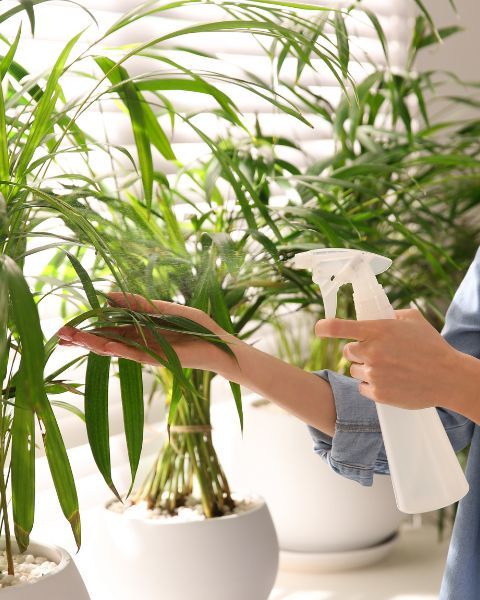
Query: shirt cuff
x,y
356,450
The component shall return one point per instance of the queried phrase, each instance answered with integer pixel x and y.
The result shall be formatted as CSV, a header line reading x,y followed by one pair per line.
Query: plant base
x,y
63,581
225,558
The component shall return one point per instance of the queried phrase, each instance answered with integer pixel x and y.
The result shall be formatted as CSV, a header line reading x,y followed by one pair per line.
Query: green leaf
x,y
85,279
379,30
27,323
442,33
60,468
4,347
342,42
198,85
131,386
237,395
23,465
429,19
42,115
175,397
8,58
28,6
4,158
70,407
96,414
30,398
144,123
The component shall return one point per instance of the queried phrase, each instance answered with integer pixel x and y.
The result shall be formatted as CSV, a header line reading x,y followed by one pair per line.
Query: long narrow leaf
x,y
4,159
144,124
85,279
23,465
96,414
27,323
131,386
60,468
43,111
8,58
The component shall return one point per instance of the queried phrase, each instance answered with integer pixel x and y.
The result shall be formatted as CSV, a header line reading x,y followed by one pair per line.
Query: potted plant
x,y
173,254
185,505
28,199
337,523
383,187
218,262
29,122
38,128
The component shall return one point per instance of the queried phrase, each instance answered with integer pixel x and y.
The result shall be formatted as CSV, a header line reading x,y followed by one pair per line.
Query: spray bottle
x,y
425,472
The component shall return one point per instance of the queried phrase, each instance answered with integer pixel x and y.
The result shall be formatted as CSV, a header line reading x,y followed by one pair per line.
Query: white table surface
x,y
413,571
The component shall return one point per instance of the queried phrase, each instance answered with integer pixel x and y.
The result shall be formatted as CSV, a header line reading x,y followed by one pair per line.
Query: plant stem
x,y
3,500
187,457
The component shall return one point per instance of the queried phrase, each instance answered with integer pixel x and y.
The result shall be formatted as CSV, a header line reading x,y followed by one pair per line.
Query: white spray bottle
x,y
425,472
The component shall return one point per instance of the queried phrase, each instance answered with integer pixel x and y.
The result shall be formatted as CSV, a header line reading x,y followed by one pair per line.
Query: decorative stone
x,y
28,569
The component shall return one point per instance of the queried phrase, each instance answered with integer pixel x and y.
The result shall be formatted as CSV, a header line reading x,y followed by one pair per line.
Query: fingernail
x,y
66,333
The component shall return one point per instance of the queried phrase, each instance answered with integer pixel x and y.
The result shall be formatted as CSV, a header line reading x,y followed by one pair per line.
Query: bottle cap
x,y
333,267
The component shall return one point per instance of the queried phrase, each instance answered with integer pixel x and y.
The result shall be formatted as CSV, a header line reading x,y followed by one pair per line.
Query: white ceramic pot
x,y
227,558
62,582
313,508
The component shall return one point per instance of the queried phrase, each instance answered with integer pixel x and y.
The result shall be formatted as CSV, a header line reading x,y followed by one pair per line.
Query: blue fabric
x,y
356,450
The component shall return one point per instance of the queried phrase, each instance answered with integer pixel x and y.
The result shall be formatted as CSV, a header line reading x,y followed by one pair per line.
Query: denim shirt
x,y
356,451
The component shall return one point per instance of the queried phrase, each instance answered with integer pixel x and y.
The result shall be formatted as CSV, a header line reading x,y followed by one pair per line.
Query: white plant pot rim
x,y
257,501
36,549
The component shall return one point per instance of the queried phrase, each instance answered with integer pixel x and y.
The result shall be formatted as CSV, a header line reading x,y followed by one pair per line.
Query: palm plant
x,y
373,193
398,183
38,130
221,261
237,266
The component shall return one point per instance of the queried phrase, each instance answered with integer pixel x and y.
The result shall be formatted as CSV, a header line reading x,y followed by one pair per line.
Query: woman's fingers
x,y
124,351
160,307
103,346
83,338
365,389
141,304
353,352
133,302
343,328
359,371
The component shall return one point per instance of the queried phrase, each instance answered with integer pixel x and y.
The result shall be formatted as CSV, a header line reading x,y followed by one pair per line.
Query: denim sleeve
x,y
356,450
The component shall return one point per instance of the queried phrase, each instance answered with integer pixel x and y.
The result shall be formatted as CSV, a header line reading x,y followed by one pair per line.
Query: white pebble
x,y
28,567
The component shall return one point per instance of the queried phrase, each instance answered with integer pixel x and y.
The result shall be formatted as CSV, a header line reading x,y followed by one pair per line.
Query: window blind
x,y
57,22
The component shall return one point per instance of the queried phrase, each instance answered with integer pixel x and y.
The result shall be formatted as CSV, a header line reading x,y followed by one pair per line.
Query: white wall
x,y
460,52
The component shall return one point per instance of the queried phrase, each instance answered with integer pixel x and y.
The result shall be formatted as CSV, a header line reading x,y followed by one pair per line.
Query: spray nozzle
x,y
334,267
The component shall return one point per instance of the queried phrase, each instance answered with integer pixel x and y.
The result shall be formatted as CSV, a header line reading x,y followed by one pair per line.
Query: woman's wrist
x,y
464,394
223,362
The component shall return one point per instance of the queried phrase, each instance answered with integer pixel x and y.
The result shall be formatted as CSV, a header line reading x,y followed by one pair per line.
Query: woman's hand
x,y
404,362
193,352
304,394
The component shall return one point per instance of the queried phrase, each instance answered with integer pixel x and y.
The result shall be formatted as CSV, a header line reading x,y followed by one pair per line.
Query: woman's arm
x,y
405,362
303,394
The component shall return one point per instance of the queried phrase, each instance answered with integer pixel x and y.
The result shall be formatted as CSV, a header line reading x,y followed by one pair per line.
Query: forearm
x,y
465,395
301,393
